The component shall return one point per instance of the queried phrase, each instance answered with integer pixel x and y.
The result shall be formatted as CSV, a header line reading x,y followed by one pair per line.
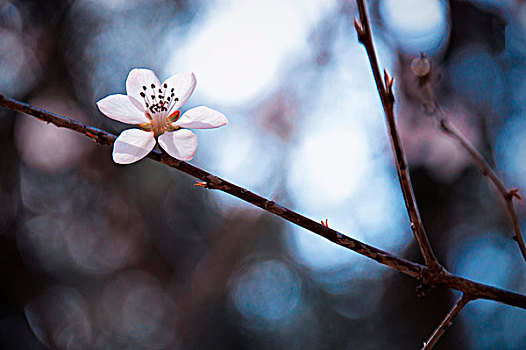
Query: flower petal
x,y
201,118
183,85
138,78
119,107
132,145
180,144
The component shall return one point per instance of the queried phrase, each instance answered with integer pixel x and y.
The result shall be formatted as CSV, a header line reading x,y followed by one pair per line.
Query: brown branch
x,y
211,181
507,196
446,322
433,108
424,274
386,95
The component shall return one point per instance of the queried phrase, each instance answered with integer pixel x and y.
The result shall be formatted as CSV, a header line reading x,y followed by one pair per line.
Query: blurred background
x,y
96,255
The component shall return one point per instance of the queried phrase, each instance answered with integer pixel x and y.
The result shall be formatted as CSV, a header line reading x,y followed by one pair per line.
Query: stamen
x,y
162,100
153,86
145,98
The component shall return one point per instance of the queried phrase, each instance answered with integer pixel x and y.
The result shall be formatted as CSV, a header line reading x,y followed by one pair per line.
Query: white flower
x,y
155,108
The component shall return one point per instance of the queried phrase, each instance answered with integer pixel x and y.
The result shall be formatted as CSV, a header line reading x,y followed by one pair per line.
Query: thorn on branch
x,y
325,223
359,30
92,136
514,193
388,79
203,185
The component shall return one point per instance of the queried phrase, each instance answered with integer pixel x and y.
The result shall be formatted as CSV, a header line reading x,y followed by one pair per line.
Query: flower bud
x,y
421,66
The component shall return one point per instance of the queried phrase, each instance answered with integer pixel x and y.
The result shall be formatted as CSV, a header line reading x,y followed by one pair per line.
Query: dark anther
x,y
147,105
165,85
172,90
153,96
143,94
168,98
172,94
160,91
153,86
176,99
144,88
160,97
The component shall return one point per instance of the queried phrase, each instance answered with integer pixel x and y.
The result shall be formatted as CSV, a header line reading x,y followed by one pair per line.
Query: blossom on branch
x,y
155,108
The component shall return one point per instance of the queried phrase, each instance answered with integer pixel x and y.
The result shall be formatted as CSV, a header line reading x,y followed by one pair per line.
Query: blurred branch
x,y
430,276
386,95
507,196
447,322
433,107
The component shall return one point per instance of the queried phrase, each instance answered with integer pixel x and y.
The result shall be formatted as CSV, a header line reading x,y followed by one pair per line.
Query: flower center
x,y
158,101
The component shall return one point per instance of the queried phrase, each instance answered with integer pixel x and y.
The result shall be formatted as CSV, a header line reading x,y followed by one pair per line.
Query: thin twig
x,y
446,126
422,273
507,196
447,322
386,95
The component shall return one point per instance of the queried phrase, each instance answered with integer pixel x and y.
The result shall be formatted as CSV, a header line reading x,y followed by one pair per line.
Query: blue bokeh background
x,y
96,255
